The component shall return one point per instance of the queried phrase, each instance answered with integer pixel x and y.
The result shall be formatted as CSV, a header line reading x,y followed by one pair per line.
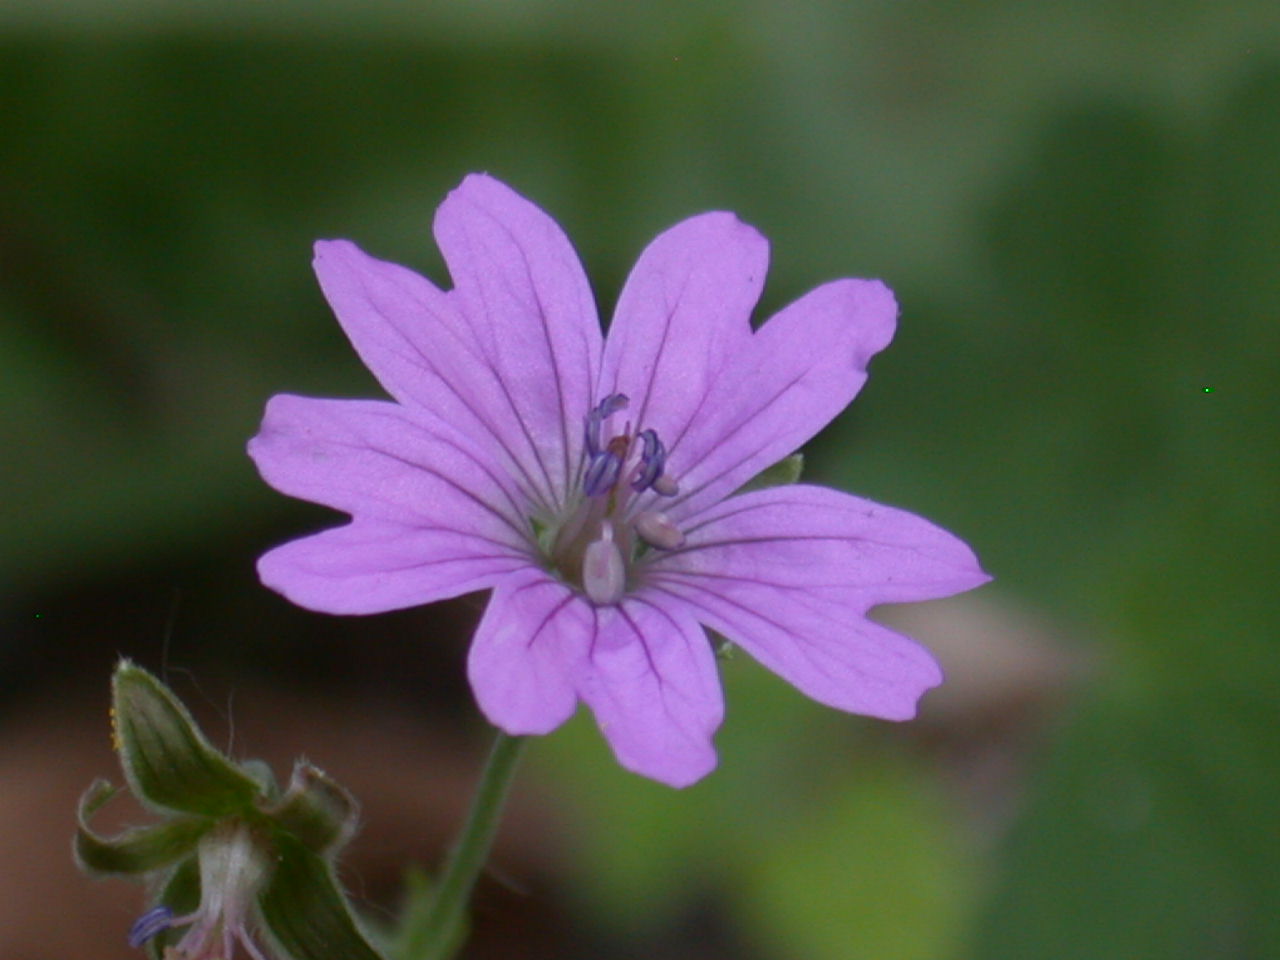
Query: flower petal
x,y
534,633
651,680
812,538
521,288
417,342
788,572
382,461
819,647
373,566
798,371
683,315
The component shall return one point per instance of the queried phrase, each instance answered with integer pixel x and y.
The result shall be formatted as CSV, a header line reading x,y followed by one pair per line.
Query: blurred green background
x,y
1078,205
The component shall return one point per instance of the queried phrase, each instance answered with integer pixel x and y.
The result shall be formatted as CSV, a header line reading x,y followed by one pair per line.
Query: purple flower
x,y
589,482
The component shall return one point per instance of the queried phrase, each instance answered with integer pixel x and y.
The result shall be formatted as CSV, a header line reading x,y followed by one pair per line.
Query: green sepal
x,y
786,470
138,849
316,810
303,912
169,763
180,892
260,772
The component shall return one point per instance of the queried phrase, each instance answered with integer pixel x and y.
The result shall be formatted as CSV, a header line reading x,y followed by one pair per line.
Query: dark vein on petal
x,y
550,614
806,647
518,514
482,291
644,645
551,355
516,562
682,633
544,324
760,582
424,363
509,549
724,438
659,353
365,446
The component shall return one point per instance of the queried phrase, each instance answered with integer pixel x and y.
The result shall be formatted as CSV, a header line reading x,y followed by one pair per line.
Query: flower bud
x,y
232,860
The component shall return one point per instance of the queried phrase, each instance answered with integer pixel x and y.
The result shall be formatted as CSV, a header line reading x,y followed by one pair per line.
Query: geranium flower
x,y
591,482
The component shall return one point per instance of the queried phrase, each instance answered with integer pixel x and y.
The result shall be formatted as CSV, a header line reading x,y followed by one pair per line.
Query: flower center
x,y
603,536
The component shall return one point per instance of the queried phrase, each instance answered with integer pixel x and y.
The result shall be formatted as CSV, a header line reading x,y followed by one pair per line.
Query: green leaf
x,y
303,911
167,760
316,810
785,471
137,850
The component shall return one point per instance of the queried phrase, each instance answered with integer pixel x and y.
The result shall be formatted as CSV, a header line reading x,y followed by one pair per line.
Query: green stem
x,y
440,934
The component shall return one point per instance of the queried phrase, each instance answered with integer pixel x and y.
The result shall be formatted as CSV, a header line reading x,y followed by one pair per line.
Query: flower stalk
x,y
443,928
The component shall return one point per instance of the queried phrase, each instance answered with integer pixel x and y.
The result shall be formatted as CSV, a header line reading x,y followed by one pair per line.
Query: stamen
x,y
153,922
604,575
657,530
652,459
601,474
665,486
603,410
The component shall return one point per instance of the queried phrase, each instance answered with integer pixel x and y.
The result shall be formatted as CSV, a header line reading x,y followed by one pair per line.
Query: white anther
x,y
657,530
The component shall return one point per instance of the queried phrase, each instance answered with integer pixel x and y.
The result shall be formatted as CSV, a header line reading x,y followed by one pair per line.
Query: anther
x,y
603,410
154,921
601,473
657,530
652,459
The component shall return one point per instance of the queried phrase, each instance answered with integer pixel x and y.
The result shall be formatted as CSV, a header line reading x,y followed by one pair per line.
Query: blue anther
x,y
652,459
601,473
603,410
154,921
